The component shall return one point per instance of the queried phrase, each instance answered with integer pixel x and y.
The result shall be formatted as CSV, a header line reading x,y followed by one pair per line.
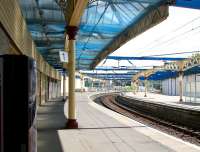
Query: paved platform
x,y
101,129
164,99
50,119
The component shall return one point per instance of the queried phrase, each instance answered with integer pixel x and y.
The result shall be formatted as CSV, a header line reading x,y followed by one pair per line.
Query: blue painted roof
x,y
104,22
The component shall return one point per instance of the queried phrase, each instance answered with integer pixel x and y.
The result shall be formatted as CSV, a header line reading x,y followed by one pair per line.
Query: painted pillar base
x,y
64,99
72,124
181,100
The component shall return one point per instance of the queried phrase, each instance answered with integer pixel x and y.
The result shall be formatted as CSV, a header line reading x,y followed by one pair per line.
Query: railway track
x,y
181,132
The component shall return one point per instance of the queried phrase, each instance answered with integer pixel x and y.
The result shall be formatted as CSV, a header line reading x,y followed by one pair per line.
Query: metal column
x,y
145,83
181,86
64,86
71,123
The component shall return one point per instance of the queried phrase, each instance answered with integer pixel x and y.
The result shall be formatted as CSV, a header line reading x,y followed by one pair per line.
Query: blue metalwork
x,y
112,77
109,74
161,75
166,74
145,58
103,22
192,70
188,3
121,68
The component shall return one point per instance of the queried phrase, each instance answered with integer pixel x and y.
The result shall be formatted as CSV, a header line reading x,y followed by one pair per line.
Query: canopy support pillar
x,y
145,83
82,83
181,86
181,73
64,86
71,122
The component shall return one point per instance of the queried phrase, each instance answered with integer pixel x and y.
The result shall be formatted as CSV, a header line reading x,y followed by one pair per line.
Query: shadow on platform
x,y
50,119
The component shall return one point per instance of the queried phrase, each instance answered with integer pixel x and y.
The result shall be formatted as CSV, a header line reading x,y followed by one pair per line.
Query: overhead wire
x,y
175,37
171,54
157,40
172,31
183,37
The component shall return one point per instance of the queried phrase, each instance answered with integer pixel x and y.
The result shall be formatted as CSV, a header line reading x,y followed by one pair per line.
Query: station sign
x,y
63,56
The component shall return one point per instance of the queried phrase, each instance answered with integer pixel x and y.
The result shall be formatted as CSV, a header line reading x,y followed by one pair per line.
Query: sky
x,y
180,32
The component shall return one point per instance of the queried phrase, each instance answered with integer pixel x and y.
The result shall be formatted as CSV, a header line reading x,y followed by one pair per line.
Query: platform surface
x,y
164,99
102,130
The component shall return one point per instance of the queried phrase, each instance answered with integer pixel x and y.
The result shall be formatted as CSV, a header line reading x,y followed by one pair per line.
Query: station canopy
x,y
166,74
104,27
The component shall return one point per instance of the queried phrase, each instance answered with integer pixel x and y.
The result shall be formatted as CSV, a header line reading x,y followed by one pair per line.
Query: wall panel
x,y
15,26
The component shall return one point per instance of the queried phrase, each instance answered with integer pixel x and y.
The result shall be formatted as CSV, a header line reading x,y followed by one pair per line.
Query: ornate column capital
x,y
181,72
71,32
